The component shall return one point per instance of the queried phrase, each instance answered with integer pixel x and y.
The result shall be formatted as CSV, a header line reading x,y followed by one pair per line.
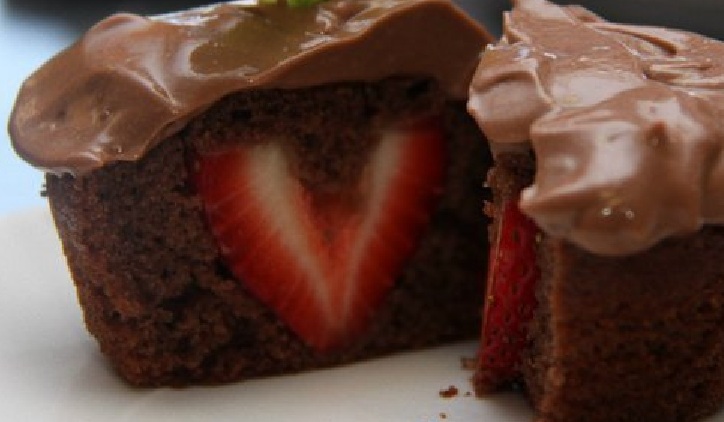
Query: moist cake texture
x,y
145,99
609,138
624,338
158,295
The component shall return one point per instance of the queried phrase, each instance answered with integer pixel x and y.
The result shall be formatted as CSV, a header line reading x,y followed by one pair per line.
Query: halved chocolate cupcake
x,y
245,190
606,290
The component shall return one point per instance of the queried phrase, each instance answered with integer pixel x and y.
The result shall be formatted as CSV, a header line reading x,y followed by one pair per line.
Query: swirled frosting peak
x,y
626,124
131,81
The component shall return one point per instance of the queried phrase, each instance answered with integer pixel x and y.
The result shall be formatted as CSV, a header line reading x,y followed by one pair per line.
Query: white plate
x,y
50,369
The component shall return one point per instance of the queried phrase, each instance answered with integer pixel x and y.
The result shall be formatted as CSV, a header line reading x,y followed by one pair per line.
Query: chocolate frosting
x,y
626,124
131,81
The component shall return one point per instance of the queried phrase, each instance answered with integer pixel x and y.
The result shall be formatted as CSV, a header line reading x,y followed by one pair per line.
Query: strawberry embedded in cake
x,y
510,299
323,257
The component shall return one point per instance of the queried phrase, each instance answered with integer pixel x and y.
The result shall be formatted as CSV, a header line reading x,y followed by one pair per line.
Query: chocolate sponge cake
x,y
249,189
605,297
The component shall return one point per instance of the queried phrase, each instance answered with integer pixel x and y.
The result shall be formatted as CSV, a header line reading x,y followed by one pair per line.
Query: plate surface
x,y
51,370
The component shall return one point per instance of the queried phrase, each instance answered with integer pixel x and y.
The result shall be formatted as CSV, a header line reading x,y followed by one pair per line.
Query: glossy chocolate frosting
x,y
626,123
132,81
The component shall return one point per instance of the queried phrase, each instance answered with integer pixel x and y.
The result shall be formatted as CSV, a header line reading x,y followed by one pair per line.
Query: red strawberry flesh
x,y
510,299
323,261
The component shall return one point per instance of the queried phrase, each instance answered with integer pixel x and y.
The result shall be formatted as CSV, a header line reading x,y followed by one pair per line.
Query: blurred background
x,y
31,31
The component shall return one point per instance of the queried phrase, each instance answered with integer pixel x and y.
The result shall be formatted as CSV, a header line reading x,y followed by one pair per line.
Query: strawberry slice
x,y
323,261
510,299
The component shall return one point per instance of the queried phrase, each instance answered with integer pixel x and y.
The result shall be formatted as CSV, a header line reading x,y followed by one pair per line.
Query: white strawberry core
x,y
277,191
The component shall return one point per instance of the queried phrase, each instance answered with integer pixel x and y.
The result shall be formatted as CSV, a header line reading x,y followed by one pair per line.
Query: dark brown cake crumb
x,y
450,392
